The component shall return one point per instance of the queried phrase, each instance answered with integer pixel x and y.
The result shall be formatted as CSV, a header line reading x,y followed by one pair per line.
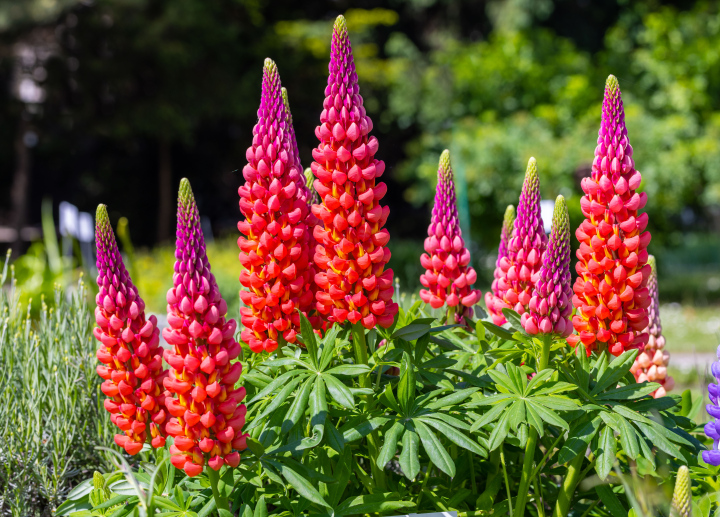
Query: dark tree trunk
x,y
21,181
164,192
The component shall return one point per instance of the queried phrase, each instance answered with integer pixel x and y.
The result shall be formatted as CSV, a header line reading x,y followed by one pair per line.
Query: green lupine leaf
x,y
297,409
548,415
301,485
489,401
538,379
553,388
519,378
452,399
364,428
406,386
505,381
389,447
631,391
492,415
556,403
607,454
611,501
453,435
628,438
658,440
579,439
409,460
260,508
411,332
328,346
435,450
280,381
513,318
517,414
308,338
615,371
452,421
352,370
659,404
381,503
334,439
500,432
534,418
498,331
275,403
339,392
388,399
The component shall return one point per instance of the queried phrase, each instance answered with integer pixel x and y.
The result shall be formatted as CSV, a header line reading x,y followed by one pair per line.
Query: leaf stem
x,y
507,483
572,478
220,500
545,352
472,474
424,483
526,476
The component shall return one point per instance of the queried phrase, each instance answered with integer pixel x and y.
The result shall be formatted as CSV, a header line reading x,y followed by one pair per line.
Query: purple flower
x,y
712,428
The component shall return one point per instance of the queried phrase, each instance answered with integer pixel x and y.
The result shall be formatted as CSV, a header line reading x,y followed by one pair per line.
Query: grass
x,y
689,329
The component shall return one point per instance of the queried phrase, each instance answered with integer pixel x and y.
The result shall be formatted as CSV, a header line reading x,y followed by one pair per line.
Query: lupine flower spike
x,y
611,296
651,363
682,495
352,245
275,250
304,191
712,428
518,270
550,306
130,354
448,277
505,235
208,414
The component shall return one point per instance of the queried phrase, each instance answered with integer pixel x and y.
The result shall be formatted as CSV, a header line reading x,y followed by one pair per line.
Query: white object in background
x,y
437,514
86,227
68,219
546,211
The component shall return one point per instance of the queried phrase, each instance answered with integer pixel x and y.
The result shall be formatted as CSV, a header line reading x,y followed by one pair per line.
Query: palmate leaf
x,y
606,456
411,332
453,434
492,415
372,503
504,381
629,392
434,449
301,485
579,439
339,392
615,371
406,385
498,331
455,398
276,383
499,432
277,401
547,415
389,447
298,407
308,338
409,460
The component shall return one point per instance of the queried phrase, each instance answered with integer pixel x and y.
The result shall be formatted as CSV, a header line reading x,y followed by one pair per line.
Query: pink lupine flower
x,y
448,276
611,296
275,249
505,236
208,414
651,364
550,307
352,247
130,354
524,257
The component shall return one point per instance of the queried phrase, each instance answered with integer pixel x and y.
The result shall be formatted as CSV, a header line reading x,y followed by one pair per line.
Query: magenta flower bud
x,y
524,251
448,277
505,234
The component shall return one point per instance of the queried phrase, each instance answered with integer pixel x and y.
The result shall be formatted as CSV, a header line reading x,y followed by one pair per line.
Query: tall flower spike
x,y
208,414
712,428
550,306
651,363
682,494
304,191
448,277
130,354
611,296
275,250
352,246
505,235
519,269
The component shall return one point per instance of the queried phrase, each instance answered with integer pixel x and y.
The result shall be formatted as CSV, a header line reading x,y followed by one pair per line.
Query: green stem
x,y
538,494
472,474
361,357
425,480
545,353
526,477
572,478
507,483
220,501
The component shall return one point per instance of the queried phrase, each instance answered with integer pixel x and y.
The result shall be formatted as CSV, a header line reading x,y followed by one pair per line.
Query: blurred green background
x,y
114,101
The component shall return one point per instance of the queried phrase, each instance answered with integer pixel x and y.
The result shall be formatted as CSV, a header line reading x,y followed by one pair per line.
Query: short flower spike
x,y
130,354
519,269
448,277
611,296
712,428
505,235
651,363
275,248
550,307
352,252
208,414
682,494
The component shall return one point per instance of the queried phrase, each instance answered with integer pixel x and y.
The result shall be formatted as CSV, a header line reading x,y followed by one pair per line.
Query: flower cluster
x,y
518,270
448,277
275,251
505,236
130,354
610,294
208,414
352,252
549,308
712,428
651,363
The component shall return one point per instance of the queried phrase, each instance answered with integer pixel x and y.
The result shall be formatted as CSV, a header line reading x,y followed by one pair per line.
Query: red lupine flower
x,y
519,269
208,414
651,364
131,356
505,236
611,296
352,246
448,276
550,308
275,255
